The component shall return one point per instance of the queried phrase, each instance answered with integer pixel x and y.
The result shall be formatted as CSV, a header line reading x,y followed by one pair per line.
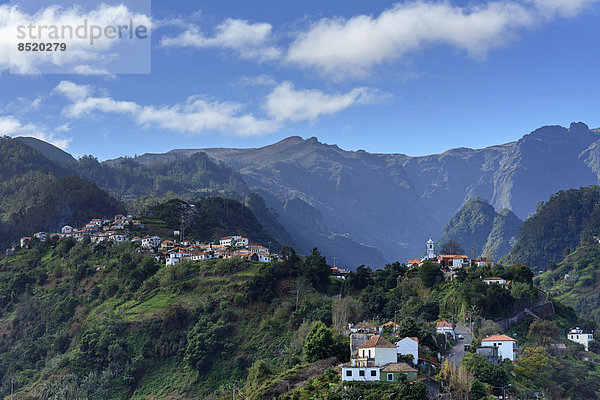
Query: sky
x,y
412,77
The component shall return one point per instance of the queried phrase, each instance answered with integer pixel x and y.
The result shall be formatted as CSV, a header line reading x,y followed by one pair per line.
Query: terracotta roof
x,y
363,325
455,256
391,323
376,341
443,323
498,338
413,261
416,339
398,367
495,278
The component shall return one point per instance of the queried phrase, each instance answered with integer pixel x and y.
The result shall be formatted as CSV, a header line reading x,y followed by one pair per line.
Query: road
x,y
457,353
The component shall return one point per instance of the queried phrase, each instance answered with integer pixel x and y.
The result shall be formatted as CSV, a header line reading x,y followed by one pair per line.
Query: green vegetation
x,y
478,225
557,226
575,281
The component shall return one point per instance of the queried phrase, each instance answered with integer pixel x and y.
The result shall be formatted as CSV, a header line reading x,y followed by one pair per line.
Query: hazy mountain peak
x,y
578,126
48,150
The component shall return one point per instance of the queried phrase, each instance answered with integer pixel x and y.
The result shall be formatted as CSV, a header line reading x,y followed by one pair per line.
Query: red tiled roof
x,y
377,341
413,261
495,278
498,338
443,323
453,256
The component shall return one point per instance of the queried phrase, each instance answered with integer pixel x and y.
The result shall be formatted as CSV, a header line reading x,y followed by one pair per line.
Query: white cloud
x,y
199,115
195,116
352,46
79,51
11,126
73,91
285,103
249,40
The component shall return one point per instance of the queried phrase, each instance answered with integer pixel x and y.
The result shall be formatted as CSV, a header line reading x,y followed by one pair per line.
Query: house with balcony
x,y
376,360
507,346
579,336
445,328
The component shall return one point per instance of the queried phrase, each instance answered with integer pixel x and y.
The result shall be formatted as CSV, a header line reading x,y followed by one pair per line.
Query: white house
x,y
150,241
577,335
376,351
444,327
499,281
372,356
228,241
453,261
176,255
41,236
259,249
98,237
67,230
507,346
409,346
117,237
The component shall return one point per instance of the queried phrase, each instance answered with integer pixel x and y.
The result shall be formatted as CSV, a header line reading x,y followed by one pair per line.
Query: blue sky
x,y
415,77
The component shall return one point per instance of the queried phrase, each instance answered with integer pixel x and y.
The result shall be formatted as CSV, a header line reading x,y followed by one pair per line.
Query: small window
x,y
499,344
361,373
373,372
390,377
348,372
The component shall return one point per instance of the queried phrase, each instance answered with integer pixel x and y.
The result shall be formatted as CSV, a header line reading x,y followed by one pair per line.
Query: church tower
x,y
430,249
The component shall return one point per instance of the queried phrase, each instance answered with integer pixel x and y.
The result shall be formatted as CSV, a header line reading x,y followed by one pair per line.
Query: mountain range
x,y
392,203
356,207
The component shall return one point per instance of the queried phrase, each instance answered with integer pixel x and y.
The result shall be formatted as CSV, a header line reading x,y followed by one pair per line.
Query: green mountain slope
x,y
39,194
575,281
211,218
558,224
477,225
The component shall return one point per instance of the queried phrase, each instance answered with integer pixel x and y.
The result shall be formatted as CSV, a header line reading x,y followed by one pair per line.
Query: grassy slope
x,y
255,330
580,290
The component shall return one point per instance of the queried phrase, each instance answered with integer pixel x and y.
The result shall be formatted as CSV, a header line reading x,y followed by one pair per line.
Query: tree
x,y
205,342
429,274
452,247
316,270
520,273
319,343
535,367
478,390
543,332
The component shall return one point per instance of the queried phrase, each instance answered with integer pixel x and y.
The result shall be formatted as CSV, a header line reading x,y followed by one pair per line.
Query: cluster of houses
x,y
228,247
451,263
447,262
100,230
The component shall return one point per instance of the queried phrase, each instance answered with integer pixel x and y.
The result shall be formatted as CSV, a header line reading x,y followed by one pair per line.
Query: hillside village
x,y
117,230
376,353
